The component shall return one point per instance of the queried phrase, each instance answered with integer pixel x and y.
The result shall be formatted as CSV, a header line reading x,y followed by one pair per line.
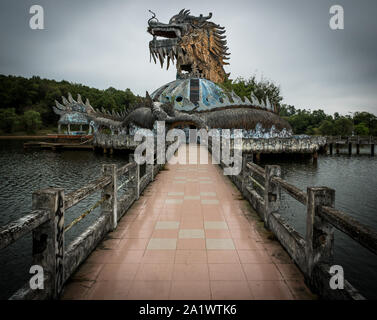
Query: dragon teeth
x,y
168,63
161,60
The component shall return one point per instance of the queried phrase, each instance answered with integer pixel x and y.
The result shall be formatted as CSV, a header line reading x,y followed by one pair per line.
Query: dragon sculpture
x,y
197,45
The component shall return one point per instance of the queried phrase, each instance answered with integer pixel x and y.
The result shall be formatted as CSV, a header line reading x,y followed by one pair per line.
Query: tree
x,y
343,126
361,129
8,120
327,128
32,121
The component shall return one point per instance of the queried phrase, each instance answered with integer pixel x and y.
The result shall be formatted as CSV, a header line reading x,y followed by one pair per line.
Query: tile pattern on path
x,y
185,239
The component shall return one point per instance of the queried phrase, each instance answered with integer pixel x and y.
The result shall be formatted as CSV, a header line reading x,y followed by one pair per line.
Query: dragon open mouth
x,y
166,48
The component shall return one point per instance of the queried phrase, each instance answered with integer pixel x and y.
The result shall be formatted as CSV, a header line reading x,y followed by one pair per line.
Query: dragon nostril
x,y
179,99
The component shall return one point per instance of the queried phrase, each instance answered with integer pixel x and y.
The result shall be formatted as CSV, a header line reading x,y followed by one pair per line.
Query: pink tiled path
x,y
189,236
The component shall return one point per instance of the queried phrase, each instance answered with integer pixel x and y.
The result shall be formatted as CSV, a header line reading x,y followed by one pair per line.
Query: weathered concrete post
x,y
150,169
245,171
319,233
272,193
135,184
110,205
48,239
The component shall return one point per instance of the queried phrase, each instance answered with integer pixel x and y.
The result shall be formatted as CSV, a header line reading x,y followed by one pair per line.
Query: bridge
x,y
186,231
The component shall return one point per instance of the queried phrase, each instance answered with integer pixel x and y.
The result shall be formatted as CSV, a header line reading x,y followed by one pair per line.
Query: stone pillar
x,y
272,193
110,205
319,234
245,173
48,239
69,128
59,128
135,172
150,169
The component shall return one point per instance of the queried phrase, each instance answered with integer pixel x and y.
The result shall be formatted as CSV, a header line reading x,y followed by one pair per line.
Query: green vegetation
x,y
317,122
261,89
25,104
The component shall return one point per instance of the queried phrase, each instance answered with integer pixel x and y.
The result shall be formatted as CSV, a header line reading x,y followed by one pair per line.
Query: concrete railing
x,y
46,222
351,140
313,253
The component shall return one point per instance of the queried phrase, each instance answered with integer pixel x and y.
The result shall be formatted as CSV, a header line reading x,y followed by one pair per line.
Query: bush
x,y
9,120
361,129
32,121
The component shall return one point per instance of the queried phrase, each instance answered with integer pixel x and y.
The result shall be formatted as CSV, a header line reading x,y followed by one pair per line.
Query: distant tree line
x,y
317,122
25,104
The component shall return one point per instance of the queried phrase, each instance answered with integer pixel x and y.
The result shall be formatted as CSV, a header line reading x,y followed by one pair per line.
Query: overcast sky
x,y
104,43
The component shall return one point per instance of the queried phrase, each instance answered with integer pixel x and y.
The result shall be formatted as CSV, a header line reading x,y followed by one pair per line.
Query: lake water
x,y
354,179
21,172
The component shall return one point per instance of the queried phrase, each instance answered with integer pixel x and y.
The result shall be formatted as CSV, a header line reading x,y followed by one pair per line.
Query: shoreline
x,y
44,137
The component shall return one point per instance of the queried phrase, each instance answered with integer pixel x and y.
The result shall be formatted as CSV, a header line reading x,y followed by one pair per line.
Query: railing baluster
x,y
272,193
135,171
48,239
319,233
246,171
110,192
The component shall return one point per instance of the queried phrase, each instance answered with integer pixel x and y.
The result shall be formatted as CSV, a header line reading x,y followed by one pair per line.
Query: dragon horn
x,y
208,17
70,99
79,100
59,106
65,101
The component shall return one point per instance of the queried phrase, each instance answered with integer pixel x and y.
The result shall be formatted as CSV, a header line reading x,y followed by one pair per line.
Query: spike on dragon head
x,y
197,45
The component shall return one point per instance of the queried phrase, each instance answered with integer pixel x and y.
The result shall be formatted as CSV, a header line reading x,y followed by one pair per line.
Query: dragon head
x,y
197,45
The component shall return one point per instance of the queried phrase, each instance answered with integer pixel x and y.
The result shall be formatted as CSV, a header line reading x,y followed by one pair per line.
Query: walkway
x,y
189,236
